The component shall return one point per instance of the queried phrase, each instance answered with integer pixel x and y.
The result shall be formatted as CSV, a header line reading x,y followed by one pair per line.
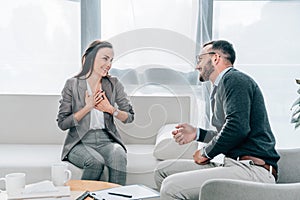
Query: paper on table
x,y
43,186
137,192
41,190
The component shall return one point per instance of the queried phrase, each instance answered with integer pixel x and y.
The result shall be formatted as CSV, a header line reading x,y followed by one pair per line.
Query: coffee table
x,y
77,187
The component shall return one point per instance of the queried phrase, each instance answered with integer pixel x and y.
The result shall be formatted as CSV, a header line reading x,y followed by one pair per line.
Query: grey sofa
x,y
287,187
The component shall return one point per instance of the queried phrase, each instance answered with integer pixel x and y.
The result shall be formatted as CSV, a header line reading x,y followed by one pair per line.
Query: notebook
x,y
128,192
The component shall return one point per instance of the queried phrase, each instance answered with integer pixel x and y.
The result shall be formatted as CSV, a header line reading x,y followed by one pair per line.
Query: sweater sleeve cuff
x,y
204,153
201,133
197,134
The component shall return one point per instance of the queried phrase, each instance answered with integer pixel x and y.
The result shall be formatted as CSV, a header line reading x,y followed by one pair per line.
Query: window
x,y
40,45
149,34
266,39
155,41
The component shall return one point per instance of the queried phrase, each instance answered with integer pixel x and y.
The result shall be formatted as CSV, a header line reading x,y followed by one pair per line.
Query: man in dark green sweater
x,y
242,131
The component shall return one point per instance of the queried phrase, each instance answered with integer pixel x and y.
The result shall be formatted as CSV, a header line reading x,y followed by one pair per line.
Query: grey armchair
x,y
287,187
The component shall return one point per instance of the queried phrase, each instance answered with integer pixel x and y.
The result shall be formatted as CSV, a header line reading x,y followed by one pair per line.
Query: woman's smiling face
x,y
103,61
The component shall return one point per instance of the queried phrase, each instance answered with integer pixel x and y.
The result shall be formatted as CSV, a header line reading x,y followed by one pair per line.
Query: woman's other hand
x,y
103,104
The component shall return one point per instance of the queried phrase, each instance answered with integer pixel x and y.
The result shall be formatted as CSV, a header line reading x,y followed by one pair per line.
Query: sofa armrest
x,y
227,189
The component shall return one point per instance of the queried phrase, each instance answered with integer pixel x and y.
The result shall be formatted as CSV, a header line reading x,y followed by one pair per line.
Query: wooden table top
x,y
77,187
84,185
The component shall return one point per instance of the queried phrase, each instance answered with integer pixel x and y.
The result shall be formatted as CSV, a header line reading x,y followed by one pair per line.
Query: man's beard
x,y
209,70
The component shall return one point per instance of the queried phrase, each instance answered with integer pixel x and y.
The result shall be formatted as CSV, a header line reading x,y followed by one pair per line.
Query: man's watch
x,y
116,112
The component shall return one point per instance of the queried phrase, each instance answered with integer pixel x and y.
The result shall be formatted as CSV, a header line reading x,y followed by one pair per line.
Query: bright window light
x,y
40,45
266,39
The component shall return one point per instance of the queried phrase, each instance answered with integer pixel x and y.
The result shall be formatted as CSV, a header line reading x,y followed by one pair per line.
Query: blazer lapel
x,y
82,87
84,122
107,87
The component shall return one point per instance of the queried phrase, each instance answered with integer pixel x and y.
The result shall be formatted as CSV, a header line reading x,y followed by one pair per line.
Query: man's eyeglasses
x,y
198,57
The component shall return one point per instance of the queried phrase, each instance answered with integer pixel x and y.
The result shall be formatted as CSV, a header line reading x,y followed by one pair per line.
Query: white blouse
x,y
97,117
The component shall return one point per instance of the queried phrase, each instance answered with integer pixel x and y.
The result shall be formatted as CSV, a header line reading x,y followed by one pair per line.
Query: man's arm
x,y
205,135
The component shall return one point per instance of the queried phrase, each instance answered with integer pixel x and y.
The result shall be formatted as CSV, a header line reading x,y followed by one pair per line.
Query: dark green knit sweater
x,y
241,120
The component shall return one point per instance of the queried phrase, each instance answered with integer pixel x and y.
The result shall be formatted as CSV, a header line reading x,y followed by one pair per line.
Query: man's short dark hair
x,y
225,47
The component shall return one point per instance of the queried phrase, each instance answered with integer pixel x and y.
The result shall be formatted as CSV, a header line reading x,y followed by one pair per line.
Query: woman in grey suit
x,y
87,109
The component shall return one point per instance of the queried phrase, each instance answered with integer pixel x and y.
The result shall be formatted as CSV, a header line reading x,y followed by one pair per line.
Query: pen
x,y
121,195
84,195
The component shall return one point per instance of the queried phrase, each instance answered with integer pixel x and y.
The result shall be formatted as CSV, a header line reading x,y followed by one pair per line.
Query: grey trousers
x,y
182,179
97,150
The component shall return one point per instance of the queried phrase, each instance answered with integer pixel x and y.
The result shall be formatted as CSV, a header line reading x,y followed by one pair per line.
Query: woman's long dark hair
x,y
88,57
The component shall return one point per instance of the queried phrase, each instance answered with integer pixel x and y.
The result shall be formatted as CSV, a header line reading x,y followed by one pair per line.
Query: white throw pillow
x,y
167,148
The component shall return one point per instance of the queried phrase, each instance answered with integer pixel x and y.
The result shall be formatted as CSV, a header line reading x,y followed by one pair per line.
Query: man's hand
x,y
184,133
199,159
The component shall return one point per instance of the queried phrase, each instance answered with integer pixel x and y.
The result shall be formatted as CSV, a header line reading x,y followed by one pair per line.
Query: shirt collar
x,y
216,83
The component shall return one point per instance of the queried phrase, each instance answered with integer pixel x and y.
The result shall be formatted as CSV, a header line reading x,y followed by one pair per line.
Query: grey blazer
x,y
73,99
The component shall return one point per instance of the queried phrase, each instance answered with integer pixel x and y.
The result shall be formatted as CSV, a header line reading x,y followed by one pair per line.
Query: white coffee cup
x,y
60,174
14,183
